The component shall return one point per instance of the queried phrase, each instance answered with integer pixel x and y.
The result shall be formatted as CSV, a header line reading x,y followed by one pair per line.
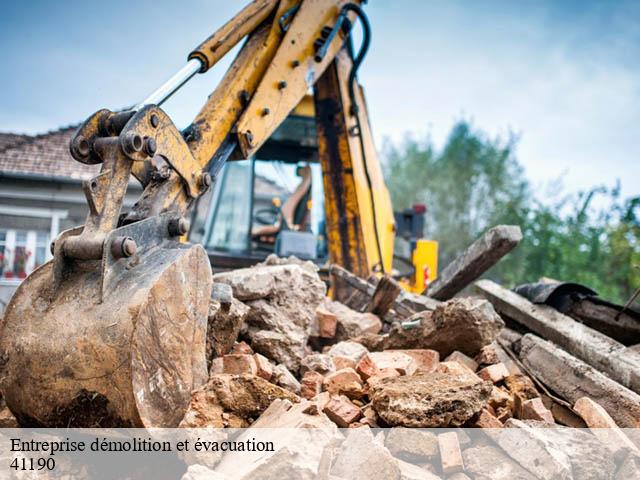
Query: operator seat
x,y
293,211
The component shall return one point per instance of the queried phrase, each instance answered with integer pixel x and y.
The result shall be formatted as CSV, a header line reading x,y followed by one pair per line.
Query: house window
x,y
21,252
25,236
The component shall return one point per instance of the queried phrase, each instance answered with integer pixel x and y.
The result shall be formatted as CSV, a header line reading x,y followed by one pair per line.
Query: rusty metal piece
x,y
123,247
115,122
132,143
80,146
168,143
88,132
150,146
178,226
85,247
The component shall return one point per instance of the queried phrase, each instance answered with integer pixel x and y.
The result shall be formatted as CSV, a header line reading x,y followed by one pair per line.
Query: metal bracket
x,y
151,132
152,233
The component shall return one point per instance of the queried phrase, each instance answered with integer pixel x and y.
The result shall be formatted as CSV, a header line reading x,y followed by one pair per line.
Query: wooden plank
x,y
622,326
591,346
384,296
356,293
474,261
573,379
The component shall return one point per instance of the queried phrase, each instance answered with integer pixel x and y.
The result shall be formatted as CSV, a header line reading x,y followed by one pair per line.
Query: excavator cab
x,y
270,203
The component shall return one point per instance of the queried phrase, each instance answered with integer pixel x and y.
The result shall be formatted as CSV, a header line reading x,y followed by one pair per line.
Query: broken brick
x,y
345,381
534,409
402,362
242,348
381,375
366,368
494,373
311,384
602,425
462,359
457,370
238,364
426,360
487,356
326,322
341,411
217,366
265,369
486,419
341,362
450,455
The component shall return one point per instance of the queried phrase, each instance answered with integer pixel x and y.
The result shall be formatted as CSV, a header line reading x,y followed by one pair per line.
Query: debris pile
x,y
274,334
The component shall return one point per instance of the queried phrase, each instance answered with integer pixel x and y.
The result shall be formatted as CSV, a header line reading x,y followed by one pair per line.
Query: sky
x,y
562,75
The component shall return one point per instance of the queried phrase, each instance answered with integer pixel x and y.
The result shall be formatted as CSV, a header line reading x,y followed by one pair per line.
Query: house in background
x,y
40,196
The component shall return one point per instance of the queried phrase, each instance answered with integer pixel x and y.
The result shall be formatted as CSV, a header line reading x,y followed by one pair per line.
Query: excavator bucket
x,y
130,358
75,357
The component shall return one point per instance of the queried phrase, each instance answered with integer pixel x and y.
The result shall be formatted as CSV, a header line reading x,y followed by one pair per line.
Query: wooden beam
x,y
384,296
479,257
356,293
573,379
591,346
624,326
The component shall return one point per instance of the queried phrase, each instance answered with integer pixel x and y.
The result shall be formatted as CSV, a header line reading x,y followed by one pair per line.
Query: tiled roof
x,y
42,155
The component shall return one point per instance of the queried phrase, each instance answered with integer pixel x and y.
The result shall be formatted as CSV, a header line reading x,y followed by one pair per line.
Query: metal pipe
x,y
169,87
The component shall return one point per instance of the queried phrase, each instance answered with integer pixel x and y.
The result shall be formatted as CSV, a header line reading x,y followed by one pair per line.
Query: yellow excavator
x,y
118,317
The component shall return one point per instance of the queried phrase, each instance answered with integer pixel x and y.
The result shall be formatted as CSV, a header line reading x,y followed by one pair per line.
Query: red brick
x,y
450,455
462,359
456,369
217,366
534,409
402,362
494,373
327,323
341,411
265,369
426,360
340,362
487,356
487,420
239,363
345,381
366,368
602,425
311,384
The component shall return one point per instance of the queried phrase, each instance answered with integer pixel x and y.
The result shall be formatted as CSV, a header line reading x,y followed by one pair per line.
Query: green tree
x,y
476,182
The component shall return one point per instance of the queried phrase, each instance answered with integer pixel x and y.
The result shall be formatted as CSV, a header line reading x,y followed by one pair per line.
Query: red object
x,y
420,208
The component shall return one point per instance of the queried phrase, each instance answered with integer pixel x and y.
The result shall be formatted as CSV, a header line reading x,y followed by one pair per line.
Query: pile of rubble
x,y
274,334
286,355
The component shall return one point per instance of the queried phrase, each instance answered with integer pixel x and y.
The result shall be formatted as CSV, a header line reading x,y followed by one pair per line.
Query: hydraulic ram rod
x,y
169,87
